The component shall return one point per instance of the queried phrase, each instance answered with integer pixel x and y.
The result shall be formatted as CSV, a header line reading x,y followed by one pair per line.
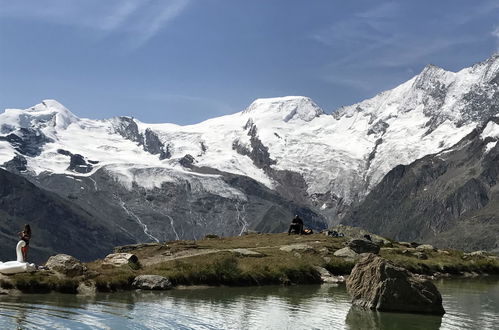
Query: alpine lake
x,y
469,304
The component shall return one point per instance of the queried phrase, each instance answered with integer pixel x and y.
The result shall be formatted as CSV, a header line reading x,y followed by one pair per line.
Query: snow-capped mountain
x,y
289,153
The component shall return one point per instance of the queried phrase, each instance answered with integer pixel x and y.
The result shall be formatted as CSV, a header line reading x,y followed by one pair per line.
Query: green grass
x,y
451,263
43,283
225,267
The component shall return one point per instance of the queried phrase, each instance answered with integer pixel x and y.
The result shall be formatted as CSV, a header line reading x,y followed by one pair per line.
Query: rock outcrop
x,y
377,284
119,259
346,253
151,282
363,246
66,265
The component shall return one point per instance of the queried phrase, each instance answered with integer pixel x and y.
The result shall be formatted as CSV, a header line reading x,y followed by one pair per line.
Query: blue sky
x,y
184,61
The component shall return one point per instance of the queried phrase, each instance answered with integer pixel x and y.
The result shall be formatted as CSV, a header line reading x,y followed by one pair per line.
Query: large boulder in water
x,y
66,265
375,283
363,246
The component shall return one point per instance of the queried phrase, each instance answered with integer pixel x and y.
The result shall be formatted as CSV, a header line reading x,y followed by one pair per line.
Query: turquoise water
x,y
470,304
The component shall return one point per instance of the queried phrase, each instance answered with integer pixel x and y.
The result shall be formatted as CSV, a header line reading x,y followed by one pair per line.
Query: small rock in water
x,y
151,282
86,289
327,277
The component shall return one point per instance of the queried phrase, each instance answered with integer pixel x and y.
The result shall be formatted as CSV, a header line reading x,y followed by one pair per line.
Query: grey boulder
x,y
363,246
66,265
119,259
377,284
347,253
151,282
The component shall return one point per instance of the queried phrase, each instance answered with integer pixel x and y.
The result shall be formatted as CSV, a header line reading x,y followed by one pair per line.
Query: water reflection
x,y
469,305
358,318
21,318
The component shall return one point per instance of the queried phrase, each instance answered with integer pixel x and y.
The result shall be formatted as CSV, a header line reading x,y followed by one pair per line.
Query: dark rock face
x,y
291,185
150,141
27,141
16,164
79,165
77,162
473,195
375,283
483,103
258,153
449,199
153,145
128,128
379,128
187,161
363,246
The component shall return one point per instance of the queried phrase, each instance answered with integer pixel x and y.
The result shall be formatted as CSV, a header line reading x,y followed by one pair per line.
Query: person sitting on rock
x,y
25,235
296,226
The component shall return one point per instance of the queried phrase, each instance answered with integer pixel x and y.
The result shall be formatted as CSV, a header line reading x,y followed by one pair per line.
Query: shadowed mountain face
x,y
447,199
58,225
184,208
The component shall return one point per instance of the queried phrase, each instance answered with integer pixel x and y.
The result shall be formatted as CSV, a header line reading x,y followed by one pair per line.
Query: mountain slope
x,y
58,225
449,199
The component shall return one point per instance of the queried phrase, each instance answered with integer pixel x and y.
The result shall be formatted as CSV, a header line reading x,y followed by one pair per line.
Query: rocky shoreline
x,y
253,259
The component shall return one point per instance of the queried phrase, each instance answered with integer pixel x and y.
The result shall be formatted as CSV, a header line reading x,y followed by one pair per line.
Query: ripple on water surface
x,y
470,304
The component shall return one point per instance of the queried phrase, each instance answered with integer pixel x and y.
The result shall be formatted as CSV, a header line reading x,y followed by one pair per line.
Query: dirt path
x,y
159,258
167,256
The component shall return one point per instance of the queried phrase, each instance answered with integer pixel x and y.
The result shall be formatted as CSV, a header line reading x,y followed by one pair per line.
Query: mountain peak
x,y
48,113
286,108
61,117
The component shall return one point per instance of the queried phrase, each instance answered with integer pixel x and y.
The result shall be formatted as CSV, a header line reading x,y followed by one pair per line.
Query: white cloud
x,y
377,41
495,33
164,13
140,20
